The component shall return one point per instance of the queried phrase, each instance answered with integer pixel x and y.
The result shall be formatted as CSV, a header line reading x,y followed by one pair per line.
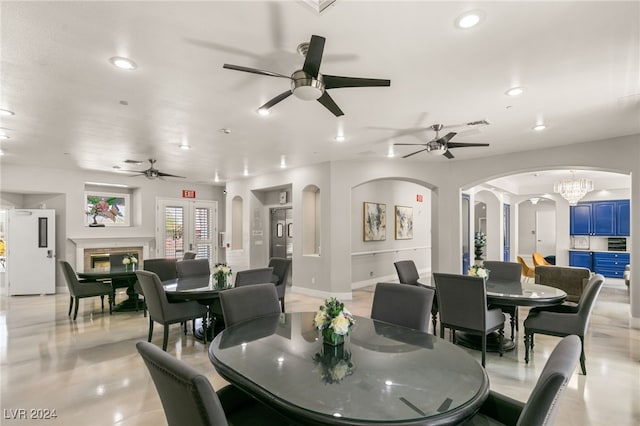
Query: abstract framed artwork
x,y
374,222
404,222
106,209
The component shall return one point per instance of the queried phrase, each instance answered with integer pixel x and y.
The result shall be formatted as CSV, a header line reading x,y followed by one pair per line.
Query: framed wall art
x,y
374,222
404,222
106,209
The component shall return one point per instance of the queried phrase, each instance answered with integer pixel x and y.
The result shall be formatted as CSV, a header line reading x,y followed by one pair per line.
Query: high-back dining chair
x,y
249,302
189,399
164,268
193,268
254,276
281,267
189,255
408,274
506,272
539,260
403,305
563,320
79,290
462,301
527,271
540,408
160,310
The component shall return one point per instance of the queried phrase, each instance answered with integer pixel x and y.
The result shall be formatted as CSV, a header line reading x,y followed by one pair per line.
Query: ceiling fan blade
x,y
422,144
446,138
254,71
413,153
336,81
314,56
326,100
168,175
463,144
448,155
282,96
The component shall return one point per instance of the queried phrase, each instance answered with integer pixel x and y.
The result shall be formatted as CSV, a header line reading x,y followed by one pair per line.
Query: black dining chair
x,y
193,268
160,310
540,408
403,305
563,320
189,399
189,255
254,276
408,274
164,268
509,273
79,290
249,302
281,267
462,300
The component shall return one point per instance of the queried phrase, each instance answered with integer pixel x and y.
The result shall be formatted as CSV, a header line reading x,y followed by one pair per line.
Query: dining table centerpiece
x,y
334,322
221,274
129,262
479,271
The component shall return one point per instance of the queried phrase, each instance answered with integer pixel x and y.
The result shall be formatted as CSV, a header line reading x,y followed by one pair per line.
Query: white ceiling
x,y
578,61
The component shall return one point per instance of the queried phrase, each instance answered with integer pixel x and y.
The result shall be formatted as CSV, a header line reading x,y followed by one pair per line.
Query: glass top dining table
x,y
384,374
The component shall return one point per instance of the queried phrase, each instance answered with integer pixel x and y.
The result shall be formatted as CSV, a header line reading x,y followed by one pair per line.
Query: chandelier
x,y
573,189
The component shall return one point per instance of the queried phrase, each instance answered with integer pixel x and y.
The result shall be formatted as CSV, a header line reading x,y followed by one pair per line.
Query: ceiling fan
x,y
440,146
307,83
151,172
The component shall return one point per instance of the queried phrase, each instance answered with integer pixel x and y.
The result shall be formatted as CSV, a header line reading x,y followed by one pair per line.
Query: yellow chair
x,y
538,260
527,271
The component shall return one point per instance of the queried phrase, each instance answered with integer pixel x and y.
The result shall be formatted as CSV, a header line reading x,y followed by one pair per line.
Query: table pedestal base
x,y
474,341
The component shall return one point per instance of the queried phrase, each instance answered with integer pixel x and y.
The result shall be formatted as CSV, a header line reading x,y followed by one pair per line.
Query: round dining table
x,y
383,374
119,276
203,289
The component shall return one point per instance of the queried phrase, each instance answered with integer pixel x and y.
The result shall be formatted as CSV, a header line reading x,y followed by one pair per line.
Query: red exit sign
x,y
188,193
419,198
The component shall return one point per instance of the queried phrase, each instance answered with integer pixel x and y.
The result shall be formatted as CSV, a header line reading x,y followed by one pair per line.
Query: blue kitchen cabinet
x,y
580,220
603,218
623,219
610,264
582,259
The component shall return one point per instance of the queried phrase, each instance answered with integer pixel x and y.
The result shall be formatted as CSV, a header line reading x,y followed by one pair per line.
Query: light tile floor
x,y
89,372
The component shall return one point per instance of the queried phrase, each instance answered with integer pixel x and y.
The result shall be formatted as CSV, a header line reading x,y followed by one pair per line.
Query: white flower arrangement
x,y
221,271
479,271
334,316
129,260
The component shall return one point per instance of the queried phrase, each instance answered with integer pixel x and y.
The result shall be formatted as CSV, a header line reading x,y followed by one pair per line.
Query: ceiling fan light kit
x,y
151,172
441,145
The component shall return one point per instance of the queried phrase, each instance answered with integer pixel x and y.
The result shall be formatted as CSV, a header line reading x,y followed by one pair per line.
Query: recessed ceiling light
x,y
6,112
263,111
515,91
340,138
4,137
1,152
246,171
469,19
390,152
539,127
123,63
185,147
283,163
216,178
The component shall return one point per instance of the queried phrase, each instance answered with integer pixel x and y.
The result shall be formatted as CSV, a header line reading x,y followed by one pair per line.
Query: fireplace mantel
x,y
83,243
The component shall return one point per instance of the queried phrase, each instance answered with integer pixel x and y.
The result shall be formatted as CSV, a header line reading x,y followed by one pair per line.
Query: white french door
x,y
184,225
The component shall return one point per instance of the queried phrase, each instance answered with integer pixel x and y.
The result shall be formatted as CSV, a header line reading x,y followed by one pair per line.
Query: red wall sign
x,y
188,193
419,198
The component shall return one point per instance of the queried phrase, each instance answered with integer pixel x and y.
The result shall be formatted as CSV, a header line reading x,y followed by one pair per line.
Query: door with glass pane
x,y
184,225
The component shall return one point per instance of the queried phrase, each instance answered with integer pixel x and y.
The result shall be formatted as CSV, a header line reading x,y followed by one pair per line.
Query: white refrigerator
x,y
31,258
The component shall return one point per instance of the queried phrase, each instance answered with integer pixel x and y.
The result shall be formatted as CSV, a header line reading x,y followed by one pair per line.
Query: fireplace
x,y
101,252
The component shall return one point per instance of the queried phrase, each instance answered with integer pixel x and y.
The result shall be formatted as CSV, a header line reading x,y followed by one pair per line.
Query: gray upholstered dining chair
x,y
189,255
506,272
164,268
160,310
193,268
540,408
249,302
463,306
281,267
254,276
563,320
408,274
189,399
79,290
403,305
